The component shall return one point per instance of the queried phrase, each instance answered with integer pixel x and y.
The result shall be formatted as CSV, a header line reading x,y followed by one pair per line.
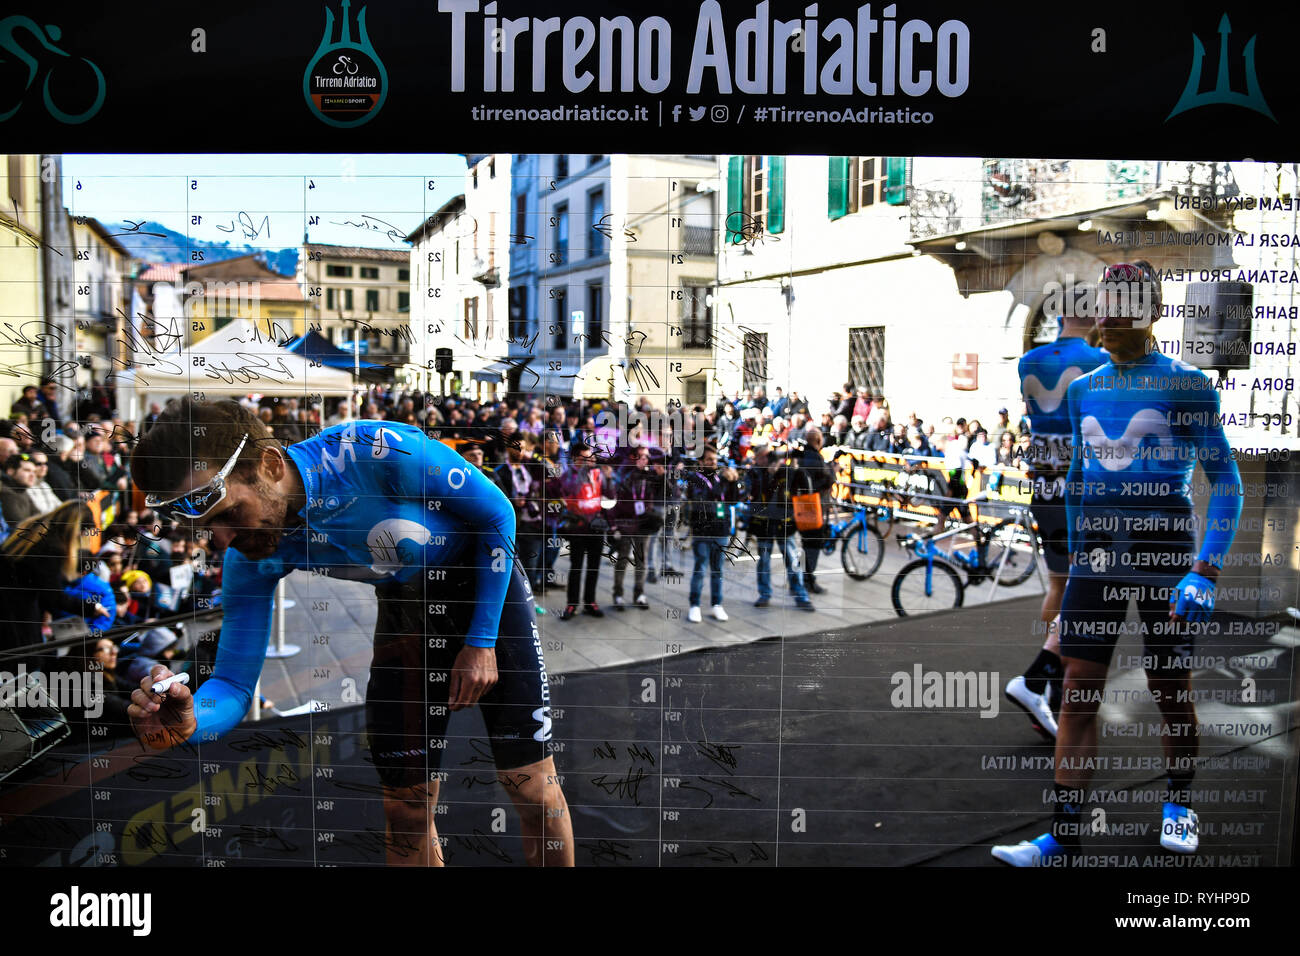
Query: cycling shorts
x,y
418,633
1048,506
1093,619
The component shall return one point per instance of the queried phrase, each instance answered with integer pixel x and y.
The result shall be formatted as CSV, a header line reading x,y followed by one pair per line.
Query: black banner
x,y
1014,79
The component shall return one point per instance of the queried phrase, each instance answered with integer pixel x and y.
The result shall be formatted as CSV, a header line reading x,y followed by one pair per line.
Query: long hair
x,y
55,533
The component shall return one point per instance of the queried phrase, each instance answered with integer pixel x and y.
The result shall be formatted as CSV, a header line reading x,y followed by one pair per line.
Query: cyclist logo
x,y
41,62
345,83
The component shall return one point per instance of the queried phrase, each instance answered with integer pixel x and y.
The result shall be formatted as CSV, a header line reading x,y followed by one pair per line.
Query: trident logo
x,y
1222,93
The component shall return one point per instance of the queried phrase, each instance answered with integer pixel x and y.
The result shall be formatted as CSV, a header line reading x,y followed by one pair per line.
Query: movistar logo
x,y
1222,94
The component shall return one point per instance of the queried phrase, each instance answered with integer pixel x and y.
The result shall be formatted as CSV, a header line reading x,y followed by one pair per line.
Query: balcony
x,y
1017,190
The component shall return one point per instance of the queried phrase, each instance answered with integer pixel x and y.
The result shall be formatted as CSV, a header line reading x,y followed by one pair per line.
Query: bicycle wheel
x,y
862,551
1015,548
912,596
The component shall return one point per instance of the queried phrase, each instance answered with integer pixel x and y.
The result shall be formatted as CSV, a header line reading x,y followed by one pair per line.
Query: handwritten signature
x,y
251,230
373,224
627,786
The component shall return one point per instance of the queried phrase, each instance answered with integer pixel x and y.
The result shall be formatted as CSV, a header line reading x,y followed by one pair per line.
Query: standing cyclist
x,y
1139,424
1045,373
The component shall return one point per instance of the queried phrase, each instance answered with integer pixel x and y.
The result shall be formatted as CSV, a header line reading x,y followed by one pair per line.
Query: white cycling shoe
x,y
1035,705
1030,852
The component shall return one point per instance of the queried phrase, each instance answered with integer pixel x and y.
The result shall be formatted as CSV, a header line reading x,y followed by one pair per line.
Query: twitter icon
x,y
696,114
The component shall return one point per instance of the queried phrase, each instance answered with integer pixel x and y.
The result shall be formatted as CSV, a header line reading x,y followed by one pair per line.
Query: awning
x,y
602,377
316,348
494,372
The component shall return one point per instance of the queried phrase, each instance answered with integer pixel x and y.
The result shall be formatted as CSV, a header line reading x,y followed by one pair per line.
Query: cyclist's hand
x,y
472,675
161,721
1193,599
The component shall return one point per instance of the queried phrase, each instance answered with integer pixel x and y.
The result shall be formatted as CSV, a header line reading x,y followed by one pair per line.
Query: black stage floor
x,y
785,751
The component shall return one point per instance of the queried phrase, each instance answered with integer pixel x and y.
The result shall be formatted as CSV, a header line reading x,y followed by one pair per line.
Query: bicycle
x,y
859,553
1006,552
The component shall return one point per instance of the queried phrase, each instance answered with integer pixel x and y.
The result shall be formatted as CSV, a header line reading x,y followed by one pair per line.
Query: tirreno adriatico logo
x,y
31,60
1222,94
345,83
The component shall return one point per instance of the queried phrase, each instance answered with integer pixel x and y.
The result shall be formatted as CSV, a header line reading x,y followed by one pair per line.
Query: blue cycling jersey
x,y
1138,432
384,503
1045,373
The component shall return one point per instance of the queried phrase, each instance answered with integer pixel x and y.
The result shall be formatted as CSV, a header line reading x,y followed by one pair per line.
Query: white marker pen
x,y
164,685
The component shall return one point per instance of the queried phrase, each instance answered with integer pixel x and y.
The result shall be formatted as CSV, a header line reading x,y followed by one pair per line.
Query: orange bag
x,y
807,511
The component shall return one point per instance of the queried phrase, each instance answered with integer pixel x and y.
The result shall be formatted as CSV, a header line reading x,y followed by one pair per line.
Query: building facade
x,y
102,271
244,287
610,252
355,292
460,271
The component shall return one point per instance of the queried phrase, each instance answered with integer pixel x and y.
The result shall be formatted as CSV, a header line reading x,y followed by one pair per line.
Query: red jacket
x,y
582,492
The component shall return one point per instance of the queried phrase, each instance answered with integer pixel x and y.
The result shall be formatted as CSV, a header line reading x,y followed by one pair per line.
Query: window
x,y
756,188
344,272
595,314
518,307
403,275
755,361
347,299
596,212
867,357
521,218
329,298
562,166
403,302
372,300
559,319
492,168
868,182
857,182
594,158
755,197
370,272
471,318
697,315
560,254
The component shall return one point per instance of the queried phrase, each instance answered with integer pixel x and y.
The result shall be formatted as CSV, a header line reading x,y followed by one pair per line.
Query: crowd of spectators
x,y
638,498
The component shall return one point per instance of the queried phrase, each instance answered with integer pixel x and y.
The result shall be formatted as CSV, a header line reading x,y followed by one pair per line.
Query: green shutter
x,y
775,194
735,189
896,180
837,193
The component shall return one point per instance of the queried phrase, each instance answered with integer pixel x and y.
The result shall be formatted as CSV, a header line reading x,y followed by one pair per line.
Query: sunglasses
x,y
197,503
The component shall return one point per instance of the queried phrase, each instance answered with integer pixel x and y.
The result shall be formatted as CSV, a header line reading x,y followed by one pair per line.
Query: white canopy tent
x,y
238,359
